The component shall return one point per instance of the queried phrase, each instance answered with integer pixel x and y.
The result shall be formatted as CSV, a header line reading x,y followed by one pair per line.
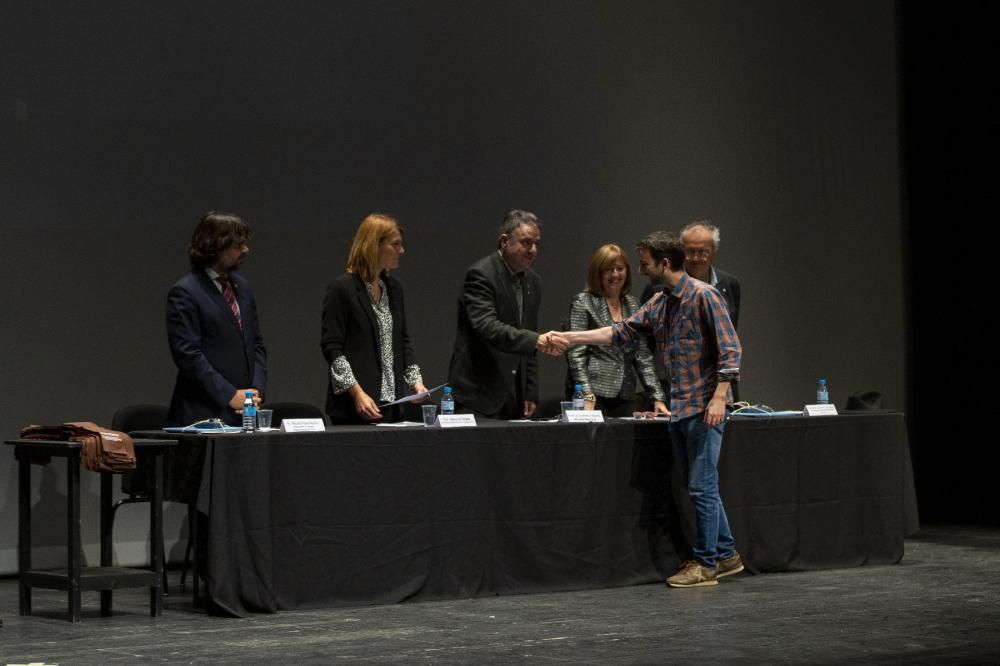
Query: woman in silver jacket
x,y
610,376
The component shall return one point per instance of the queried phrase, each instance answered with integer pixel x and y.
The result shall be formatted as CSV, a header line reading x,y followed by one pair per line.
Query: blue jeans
x,y
696,449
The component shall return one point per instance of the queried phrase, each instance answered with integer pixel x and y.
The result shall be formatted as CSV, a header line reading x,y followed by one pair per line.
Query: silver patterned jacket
x,y
602,370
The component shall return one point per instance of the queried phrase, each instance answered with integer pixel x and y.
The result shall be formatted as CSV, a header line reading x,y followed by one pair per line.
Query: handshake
x,y
553,343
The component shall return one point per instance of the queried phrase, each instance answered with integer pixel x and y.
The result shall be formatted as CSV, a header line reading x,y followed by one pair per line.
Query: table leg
x,y
193,538
106,537
73,537
24,534
156,535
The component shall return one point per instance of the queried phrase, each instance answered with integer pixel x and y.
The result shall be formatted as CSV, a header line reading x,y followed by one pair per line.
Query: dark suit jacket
x,y
729,286
350,329
213,356
492,348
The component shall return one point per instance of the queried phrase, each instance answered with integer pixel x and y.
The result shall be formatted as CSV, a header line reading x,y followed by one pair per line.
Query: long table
x,y
365,514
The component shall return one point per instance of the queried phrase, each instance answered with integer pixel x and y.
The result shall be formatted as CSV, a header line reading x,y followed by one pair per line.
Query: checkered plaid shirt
x,y
694,337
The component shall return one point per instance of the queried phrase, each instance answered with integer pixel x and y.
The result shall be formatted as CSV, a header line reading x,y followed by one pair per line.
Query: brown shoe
x,y
729,566
693,574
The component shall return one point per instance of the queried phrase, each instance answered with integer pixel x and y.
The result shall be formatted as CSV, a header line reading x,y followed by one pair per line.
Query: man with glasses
x,y
701,242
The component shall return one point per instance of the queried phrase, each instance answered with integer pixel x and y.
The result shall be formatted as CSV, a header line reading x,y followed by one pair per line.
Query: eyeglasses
x,y
703,254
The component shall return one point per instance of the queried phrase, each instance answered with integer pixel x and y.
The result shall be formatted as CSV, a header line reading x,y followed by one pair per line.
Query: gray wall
x,y
122,122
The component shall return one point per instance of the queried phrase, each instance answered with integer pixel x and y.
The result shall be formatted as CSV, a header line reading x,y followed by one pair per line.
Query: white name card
x,y
303,425
820,410
457,420
584,416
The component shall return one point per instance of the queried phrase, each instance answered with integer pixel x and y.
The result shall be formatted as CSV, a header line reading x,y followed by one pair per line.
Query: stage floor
x,y
941,604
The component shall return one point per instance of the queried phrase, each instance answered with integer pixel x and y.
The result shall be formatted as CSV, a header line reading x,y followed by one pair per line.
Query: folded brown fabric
x,y
104,450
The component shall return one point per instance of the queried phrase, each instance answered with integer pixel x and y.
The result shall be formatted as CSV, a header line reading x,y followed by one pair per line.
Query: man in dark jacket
x,y
701,242
494,368
212,327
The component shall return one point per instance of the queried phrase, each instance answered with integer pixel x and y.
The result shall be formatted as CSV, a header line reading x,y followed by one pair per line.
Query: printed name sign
x,y
584,416
457,420
820,410
303,425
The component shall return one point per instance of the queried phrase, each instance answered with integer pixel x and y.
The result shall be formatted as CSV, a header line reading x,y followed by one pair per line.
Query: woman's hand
x,y
366,408
419,388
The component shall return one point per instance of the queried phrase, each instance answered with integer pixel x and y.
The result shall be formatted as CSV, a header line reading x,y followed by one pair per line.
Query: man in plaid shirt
x,y
701,351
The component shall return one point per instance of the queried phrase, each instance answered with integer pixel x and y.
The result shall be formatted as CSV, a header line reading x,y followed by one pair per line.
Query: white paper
x,y
412,398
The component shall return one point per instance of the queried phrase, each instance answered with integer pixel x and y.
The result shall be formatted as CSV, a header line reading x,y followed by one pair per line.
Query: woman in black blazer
x,y
364,339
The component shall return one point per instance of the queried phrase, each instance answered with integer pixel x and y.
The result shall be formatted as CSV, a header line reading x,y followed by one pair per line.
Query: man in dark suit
x,y
494,367
212,327
701,242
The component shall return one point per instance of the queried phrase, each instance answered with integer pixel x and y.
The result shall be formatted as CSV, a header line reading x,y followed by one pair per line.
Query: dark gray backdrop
x,y
121,123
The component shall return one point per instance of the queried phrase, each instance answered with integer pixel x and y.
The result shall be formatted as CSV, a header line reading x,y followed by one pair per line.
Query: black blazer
x,y
350,329
729,286
213,356
491,346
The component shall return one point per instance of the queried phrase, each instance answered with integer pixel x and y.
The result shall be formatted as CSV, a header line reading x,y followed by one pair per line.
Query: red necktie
x,y
230,296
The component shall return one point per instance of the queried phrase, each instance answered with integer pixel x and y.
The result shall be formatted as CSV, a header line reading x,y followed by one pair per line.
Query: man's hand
x,y
529,408
716,412
236,402
660,408
552,343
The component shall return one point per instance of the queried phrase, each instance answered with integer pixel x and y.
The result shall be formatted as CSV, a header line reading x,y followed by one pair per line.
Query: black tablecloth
x,y
378,515
817,493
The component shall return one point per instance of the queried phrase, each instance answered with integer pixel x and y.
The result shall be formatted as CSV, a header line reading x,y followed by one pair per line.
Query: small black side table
x,y
76,578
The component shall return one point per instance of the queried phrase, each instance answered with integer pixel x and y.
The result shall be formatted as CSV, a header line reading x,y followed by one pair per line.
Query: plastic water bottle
x,y
447,401
249,413
578,397
822,394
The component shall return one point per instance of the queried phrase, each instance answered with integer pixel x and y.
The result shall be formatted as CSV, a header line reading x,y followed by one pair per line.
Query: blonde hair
x,y
606,256
362,260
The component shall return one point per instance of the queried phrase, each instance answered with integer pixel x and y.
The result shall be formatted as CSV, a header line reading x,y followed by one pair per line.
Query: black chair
x,y
136,483
294,410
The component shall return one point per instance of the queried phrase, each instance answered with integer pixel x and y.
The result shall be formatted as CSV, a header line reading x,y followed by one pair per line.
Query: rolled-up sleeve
x,y
730,349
